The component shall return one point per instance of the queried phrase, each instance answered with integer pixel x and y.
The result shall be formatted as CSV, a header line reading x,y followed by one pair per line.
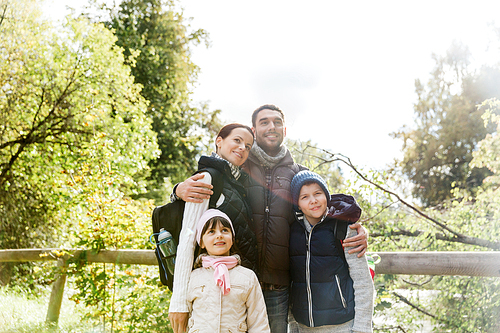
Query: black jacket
x,y
237,208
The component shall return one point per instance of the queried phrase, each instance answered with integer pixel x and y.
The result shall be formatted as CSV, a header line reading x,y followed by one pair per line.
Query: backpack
x,y
169,217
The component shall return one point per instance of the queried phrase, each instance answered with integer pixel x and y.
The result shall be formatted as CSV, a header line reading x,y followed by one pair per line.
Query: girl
x,y
232,145
234,301
332,290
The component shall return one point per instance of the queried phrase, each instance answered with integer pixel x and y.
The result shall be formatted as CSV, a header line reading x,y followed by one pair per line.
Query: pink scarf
x,y
221,266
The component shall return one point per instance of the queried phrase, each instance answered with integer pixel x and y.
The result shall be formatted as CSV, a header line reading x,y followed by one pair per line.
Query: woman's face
x,y
236,146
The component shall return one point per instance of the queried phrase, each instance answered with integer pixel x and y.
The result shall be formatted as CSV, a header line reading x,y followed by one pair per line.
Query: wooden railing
x,y
408,263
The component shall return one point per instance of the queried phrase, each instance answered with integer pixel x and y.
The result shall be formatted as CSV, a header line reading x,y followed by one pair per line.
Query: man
x,y
271,169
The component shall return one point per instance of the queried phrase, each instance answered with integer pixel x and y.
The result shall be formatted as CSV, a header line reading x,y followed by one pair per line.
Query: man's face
x,y
269,131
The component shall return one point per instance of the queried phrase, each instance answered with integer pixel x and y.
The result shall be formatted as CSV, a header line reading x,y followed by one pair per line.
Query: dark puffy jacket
x,y
270,198
237,208
322,290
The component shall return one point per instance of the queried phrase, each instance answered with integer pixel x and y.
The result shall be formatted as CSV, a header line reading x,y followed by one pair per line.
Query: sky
x,y
343,72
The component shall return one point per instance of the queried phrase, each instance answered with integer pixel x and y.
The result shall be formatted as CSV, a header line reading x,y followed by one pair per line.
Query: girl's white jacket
x,y
242,310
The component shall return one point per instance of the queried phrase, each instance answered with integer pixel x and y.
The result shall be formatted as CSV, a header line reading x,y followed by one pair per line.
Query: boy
x,y
332,290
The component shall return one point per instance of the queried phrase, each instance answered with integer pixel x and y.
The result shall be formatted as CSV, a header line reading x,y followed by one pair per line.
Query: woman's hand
x,y
360,240
178,321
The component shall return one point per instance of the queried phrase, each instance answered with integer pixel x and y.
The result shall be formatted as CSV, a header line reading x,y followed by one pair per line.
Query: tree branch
x,y
416,307
384,329
3,14
421,310
458,237
418,284
379,212
443,237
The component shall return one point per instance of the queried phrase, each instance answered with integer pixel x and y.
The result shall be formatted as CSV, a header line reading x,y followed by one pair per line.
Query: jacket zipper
x,y
266,221
308,278
344,304
308,272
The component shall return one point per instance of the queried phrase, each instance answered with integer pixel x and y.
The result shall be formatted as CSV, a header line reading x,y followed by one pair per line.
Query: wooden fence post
x,y
57,293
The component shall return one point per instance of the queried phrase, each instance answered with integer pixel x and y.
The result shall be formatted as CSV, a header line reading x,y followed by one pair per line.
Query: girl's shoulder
x,y
240,274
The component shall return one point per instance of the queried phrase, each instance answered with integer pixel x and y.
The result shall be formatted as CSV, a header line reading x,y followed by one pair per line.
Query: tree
x,y
62,94
311,156
488,150
157,35
438,151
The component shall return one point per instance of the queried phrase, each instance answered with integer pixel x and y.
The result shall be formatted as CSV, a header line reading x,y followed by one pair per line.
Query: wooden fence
x,y
408,263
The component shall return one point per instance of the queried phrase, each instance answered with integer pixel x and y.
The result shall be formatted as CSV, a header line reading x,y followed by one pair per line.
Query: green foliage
x,y
155,37
488,150
67,104
437,152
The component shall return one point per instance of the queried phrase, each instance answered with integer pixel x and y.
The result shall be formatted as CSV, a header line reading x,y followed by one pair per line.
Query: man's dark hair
x,y
266,107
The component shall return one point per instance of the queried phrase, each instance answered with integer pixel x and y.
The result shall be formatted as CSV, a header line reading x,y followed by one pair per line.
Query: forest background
x,y
97,123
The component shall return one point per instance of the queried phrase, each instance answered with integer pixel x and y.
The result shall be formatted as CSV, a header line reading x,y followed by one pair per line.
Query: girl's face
x,y
312,202
236,146
217,240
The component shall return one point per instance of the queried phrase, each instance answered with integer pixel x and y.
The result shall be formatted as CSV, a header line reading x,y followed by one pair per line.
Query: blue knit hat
x,y
304,177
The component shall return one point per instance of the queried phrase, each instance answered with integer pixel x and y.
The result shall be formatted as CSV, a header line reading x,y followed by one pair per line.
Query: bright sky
x,y
342,71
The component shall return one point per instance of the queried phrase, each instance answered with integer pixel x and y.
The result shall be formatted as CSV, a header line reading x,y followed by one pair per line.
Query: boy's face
x,y
218,240
312,202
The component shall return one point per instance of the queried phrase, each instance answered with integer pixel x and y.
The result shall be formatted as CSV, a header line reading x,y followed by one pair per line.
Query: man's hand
x,y
191,190
178,321
360,240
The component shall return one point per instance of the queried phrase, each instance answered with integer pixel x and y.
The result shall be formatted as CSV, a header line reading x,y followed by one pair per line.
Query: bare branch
x,y
3,14
384,329
443,237
380,211
417,283
421,310
458,237
414,306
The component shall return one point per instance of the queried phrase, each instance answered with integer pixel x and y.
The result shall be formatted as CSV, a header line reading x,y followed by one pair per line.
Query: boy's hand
x,y
178,321
191,190
360,241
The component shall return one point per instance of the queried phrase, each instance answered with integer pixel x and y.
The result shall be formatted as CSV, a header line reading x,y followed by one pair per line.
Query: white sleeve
x,y
185,251
363,289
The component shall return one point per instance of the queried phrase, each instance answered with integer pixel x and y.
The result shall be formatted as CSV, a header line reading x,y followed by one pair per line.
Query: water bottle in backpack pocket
x,y
168,248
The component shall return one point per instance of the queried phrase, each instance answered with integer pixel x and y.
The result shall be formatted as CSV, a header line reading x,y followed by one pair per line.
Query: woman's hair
x,y
212,223
226,130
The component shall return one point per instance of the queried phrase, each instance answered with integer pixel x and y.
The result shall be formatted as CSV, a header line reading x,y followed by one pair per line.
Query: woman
x,y
233,144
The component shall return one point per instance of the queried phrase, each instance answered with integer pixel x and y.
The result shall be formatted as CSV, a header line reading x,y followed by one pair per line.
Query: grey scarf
x,y
265,159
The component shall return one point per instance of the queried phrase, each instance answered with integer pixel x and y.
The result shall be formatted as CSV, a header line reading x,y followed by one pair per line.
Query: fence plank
x,y
131,257
440,263
411,263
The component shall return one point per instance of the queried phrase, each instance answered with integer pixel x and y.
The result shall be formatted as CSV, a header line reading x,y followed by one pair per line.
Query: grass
x,y
21,311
